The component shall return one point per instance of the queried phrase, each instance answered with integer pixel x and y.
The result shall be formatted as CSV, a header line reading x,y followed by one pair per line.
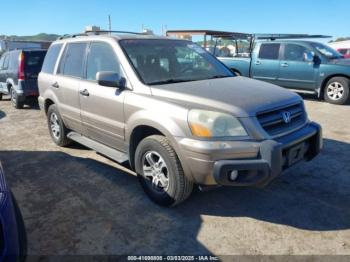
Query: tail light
x,y
21,66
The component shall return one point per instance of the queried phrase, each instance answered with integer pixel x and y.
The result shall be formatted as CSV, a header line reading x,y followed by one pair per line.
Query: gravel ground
x,y
75,201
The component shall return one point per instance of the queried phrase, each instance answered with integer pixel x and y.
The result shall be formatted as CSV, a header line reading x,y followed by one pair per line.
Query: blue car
x,y
12,230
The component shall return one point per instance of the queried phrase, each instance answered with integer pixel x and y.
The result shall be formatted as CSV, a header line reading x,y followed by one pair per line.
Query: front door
x,y
265,64
295,72
102,107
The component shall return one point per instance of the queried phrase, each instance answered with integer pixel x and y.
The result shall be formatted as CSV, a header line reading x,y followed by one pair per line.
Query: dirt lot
x,y
75,201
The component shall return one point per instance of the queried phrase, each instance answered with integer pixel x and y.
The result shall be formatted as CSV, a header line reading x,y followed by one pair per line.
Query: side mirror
x,y
109,78
309,57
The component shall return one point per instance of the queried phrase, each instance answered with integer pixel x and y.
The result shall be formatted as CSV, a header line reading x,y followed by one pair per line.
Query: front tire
x,y
0,97
14,99
160,172
58,130
337,91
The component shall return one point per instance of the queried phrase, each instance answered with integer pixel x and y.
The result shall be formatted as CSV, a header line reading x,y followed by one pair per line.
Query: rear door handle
x,y
55,85
84,92
284,65
258,63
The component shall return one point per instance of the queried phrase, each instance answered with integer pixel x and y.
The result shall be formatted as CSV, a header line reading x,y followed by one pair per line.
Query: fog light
x,y
233,175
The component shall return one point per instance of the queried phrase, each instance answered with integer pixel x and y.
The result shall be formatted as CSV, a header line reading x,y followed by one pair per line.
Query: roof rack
x,y
235,35
212,33
273,37
98,32
112,31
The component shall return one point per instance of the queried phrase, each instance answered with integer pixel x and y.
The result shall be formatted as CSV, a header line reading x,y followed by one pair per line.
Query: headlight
x,y
214,124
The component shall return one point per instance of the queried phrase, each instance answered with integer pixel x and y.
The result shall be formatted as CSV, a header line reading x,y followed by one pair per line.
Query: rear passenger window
x,y
72,62
51,58
269,51
101,58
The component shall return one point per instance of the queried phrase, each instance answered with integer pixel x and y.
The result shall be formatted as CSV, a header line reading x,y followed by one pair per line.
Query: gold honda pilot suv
x,y
176,113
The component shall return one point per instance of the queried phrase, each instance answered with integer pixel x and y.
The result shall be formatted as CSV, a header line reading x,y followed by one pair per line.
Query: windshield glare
x,y
327,51
170,61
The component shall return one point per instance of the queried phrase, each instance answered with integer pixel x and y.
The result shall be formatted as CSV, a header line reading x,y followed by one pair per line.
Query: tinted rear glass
x,y
33,61
269,51
51,58
72,63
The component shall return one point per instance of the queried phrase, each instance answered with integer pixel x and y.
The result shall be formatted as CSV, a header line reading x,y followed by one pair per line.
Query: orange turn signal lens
x,y
200,131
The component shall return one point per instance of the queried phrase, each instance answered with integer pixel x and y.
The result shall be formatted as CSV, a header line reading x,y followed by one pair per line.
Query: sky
x,y
28,17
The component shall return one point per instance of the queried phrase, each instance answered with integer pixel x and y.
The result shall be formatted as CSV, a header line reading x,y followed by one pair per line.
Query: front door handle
x,y
284,65
258,63
84,92
55,85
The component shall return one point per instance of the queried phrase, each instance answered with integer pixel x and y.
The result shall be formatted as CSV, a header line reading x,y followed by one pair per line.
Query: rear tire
x,y
14,99
0,97
164,181
58,130
336,91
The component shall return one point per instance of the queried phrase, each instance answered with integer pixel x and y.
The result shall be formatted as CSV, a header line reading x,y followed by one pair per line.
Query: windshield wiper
x,y
219,76
169,81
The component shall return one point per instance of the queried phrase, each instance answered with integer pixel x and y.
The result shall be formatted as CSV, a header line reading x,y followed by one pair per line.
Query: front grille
x,y
274,123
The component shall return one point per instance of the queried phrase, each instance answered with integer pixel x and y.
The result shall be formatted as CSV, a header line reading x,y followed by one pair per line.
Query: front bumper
x,y
257,163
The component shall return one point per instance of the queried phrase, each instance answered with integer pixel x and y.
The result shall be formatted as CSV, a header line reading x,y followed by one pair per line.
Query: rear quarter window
x,y
269,51
51,58
13,63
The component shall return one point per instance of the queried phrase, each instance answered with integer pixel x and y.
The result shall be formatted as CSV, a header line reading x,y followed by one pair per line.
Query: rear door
x,y
295,72
265,63
69,75
101,106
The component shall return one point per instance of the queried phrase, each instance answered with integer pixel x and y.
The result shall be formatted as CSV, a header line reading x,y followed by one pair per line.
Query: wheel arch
x,y
10,83
147,127
325,81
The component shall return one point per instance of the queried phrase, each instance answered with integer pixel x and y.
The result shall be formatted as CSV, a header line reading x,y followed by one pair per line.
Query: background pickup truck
x,y
304,66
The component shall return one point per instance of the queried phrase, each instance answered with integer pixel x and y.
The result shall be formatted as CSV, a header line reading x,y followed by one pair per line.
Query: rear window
x,y
51,58
269,51
33,60
72,62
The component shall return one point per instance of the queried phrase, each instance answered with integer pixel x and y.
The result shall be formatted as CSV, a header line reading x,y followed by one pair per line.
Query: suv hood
x,y
240,96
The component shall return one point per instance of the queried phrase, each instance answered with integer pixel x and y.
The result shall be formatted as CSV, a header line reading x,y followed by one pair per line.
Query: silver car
x,y
176,113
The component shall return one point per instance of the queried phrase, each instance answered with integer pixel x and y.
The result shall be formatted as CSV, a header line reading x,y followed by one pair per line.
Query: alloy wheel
x,y
335,91
55,126
156,171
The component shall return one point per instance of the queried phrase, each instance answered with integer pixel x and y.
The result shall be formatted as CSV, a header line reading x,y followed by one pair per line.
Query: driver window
x,y
101,58
294,52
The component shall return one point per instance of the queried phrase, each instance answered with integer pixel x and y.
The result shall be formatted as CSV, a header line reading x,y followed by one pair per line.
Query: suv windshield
x,y
327,51
165,61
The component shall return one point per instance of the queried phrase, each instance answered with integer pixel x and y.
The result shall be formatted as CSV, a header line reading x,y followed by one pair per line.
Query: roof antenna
x,y
109,23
